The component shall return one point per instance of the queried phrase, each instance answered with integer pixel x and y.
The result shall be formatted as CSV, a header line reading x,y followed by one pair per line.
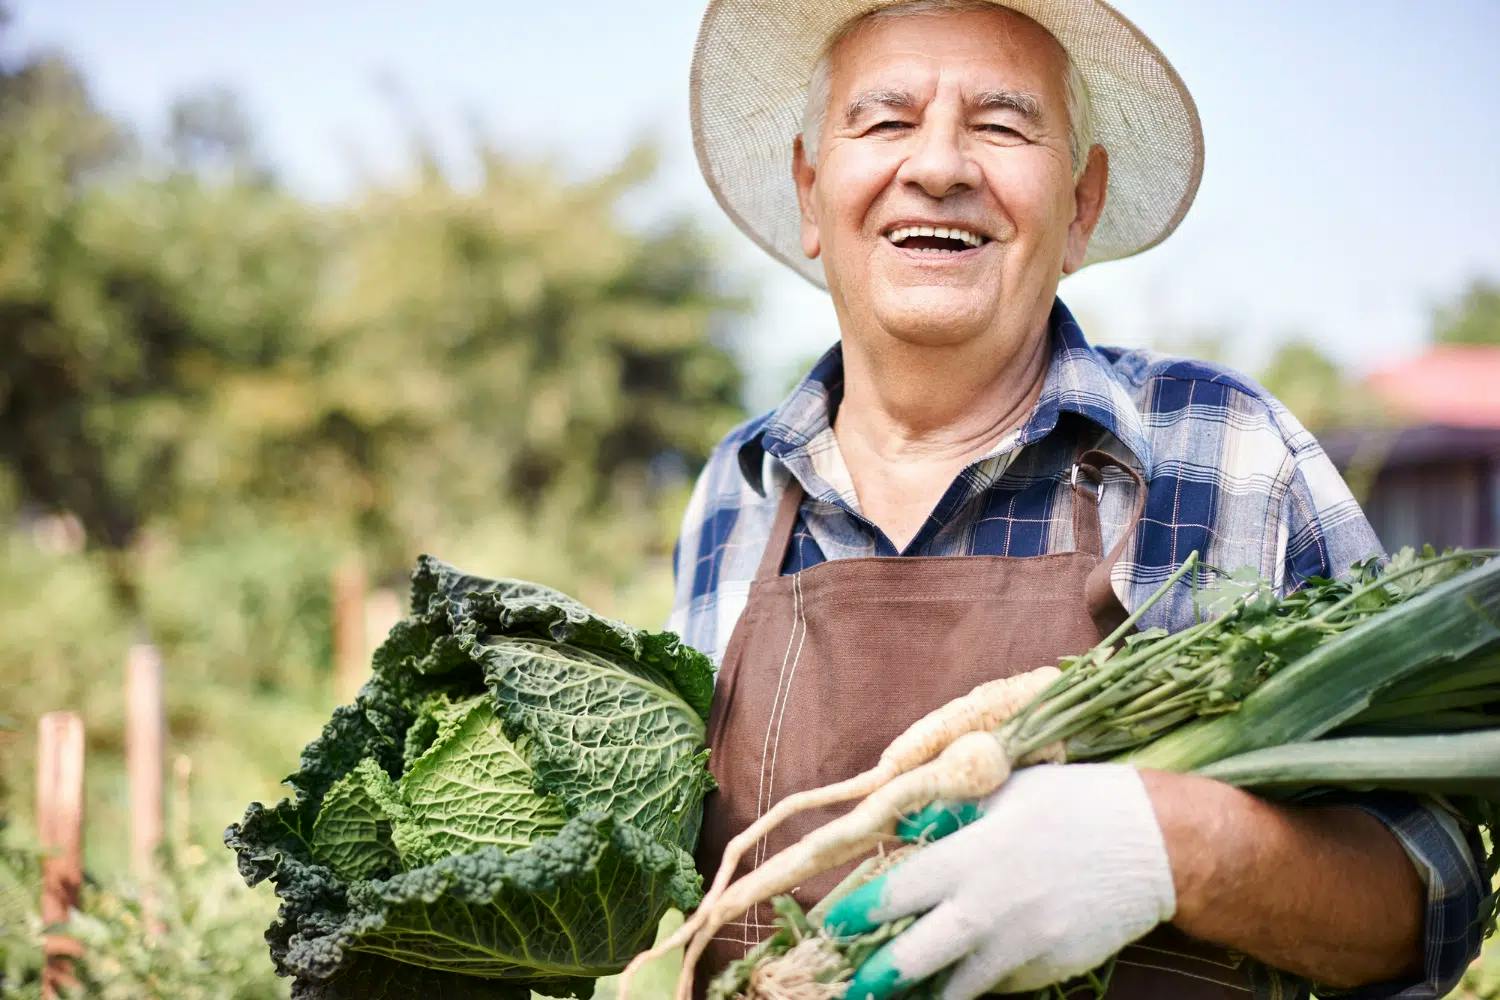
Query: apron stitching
x,y
781,713
1205,959
760,795
1184,972
760,792
790,681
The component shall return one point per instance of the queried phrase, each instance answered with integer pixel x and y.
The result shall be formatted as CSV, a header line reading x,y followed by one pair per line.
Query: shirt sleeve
x,y
686,554
1323,533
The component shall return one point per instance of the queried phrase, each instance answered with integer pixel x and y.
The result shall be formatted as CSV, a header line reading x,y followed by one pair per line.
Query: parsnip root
x,y
984,708
972,766
814,967
797,975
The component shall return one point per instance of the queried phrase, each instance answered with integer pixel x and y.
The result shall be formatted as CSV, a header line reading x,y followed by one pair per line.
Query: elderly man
x,y
963,488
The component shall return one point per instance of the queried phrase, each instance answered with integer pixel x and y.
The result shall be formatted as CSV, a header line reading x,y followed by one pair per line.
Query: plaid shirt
x,y
1230,473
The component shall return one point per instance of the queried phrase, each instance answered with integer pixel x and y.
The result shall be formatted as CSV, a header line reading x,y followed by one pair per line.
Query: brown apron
x,y
827,666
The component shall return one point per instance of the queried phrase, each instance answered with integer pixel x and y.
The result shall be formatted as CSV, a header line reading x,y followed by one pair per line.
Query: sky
x,y
1353,148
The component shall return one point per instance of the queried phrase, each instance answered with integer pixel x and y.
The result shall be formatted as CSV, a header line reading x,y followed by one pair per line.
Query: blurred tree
x,y
517,341
210,134
1473,319
126,302
51,139
195,350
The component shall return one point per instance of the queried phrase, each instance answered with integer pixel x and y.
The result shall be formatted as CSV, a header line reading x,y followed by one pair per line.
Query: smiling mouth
x,y
936,240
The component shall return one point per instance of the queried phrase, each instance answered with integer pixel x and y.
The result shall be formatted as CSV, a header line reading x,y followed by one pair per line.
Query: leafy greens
x,y
509,805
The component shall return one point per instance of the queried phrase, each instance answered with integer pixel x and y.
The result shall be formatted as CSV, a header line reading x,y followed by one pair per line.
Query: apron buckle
x,y
1097,483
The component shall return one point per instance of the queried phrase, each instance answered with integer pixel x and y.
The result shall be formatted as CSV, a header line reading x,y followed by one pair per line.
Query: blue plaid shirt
x,y
1229,471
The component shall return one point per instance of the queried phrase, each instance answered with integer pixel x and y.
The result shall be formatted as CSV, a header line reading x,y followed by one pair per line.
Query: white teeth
x,y
941,232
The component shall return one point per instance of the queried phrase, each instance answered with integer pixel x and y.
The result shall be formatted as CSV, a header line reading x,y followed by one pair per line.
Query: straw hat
x,y
749,88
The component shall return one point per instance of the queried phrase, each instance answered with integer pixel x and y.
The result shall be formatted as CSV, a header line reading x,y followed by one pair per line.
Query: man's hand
x,y
1064,867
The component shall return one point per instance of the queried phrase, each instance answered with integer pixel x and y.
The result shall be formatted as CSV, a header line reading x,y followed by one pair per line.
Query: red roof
x,y
1457,385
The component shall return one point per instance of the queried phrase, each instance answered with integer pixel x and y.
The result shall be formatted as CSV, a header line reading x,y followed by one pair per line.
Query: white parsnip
x,y
972,766
982,710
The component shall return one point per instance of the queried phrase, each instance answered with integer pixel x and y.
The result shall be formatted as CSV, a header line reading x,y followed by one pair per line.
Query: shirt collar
x,y
1079,380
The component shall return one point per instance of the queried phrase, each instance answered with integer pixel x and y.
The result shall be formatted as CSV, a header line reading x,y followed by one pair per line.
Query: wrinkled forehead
x,y
983,49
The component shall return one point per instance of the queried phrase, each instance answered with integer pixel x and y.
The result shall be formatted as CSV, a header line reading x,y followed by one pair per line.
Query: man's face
x,y
947,121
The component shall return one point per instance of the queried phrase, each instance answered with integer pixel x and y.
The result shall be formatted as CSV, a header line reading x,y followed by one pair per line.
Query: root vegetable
x,y
982,710
801,973
973,765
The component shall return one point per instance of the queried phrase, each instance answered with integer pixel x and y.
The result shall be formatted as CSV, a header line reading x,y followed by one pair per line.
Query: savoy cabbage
x,y
509,805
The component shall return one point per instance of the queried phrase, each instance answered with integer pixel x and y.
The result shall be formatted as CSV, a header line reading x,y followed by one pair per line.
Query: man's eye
x,y
890,126
998,129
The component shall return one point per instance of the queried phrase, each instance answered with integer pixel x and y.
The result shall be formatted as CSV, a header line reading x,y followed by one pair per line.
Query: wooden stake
x,y
145,748
59,820
350,657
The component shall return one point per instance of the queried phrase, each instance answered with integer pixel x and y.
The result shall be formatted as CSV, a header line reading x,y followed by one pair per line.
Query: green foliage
x,y
510,803
1473,319
20,923
522,322
207,944
129,303
182,330
242,625
1251,645
1355,656
657,979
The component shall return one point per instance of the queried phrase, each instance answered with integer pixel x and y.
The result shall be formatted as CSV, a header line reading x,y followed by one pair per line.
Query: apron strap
x,y
781,531
1103,604
1087,535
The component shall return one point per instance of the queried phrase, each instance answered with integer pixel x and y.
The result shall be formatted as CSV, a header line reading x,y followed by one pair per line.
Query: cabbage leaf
x,y
509,805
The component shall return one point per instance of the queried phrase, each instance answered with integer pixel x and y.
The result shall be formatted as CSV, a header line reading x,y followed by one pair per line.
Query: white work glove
x,y
1064,867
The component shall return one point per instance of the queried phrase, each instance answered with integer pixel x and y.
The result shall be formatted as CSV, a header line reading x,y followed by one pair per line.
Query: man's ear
x,y
1088,197
804,173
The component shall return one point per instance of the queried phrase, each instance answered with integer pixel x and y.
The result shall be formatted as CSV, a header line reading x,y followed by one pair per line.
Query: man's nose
x,y
940,163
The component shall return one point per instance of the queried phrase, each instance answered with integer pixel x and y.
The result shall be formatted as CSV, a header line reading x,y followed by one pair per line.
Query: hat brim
x,y
748,91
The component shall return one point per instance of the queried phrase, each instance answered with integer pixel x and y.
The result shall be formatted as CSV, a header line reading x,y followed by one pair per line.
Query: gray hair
x,y
1080,109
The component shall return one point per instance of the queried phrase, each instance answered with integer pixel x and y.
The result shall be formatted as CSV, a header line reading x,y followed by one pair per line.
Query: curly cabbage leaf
x,y
352,834
472,789
509,805
604,736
